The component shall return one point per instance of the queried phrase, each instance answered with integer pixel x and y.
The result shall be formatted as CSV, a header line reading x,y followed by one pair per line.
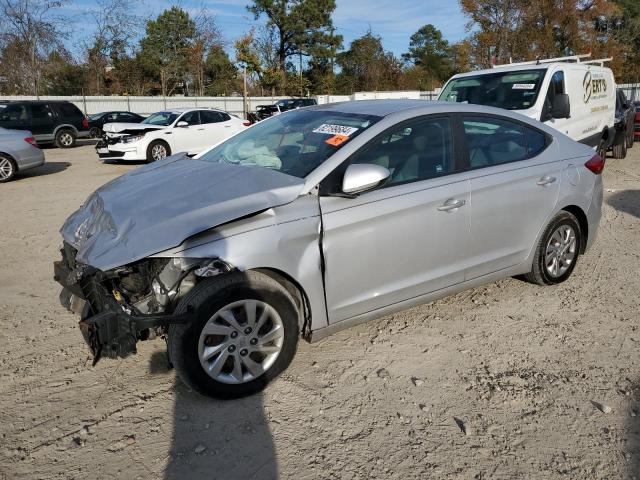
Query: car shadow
x,y
48,168
627,201
226,439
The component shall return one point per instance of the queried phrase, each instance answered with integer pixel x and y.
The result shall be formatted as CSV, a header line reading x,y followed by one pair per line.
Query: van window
x,y
69,110
40,111
555,86
493,141
511,90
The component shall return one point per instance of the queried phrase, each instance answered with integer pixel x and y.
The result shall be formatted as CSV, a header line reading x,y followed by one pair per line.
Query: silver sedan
x,y
319,219
18,152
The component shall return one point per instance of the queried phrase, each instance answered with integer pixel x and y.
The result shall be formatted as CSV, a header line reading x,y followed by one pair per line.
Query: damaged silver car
x,y
317,220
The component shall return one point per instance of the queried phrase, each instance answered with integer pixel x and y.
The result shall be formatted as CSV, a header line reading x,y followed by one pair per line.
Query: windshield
x,y
510,90
161,118
294,143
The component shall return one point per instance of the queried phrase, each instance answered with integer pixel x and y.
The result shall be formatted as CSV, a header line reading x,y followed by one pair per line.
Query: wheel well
x,y
65,127
582,221
296,291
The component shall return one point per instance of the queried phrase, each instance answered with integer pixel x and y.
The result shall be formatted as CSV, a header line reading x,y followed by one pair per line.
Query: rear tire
x,y
553,245
8,168
630,139
620,149
259,359
65,138
157,150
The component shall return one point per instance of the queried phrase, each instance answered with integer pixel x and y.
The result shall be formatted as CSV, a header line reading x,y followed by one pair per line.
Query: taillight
x,y
247,124
31,140
595,164
85,123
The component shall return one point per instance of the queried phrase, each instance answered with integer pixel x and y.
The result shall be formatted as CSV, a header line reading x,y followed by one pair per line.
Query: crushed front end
x,y
122,306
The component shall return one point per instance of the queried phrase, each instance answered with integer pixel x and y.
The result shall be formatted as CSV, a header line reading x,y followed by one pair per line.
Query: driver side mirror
x,y
561,107
182,124
361,177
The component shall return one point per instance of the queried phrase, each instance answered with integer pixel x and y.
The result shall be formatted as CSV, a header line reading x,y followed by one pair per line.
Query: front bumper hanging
x,y
111,333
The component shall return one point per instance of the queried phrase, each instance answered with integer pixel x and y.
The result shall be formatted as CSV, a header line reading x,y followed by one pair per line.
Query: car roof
x,y
190,109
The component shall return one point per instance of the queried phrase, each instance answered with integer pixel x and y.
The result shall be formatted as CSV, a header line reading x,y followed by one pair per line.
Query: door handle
x,y
546,181
451,205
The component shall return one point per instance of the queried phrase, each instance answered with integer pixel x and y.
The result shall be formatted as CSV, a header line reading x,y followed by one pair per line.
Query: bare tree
x,y
33,31
116,29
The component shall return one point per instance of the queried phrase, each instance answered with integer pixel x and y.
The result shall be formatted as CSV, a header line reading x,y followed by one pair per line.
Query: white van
x,y
575,97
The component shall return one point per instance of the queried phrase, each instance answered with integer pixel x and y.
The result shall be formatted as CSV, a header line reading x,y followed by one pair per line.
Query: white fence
x,y
147,105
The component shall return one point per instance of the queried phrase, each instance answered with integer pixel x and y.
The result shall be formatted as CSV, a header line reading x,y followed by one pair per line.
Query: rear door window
x,y
211,116
41,111
493,141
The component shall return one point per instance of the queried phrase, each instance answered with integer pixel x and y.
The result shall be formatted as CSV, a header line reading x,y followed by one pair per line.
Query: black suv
x,y
49,121
624,121
266,111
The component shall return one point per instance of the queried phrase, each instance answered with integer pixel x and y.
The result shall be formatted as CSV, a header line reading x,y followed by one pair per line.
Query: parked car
x,y
189,130
97,120
574,96
636,129
49,121
18,152
319,219
624,125
266,111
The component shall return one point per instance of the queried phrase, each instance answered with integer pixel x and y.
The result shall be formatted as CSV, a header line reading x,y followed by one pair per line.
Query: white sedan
x,y
189,130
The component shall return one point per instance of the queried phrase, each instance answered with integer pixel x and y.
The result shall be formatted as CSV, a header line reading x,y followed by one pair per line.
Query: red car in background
x,y
636,123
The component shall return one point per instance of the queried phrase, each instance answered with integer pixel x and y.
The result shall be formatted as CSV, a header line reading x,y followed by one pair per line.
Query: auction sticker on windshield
x,y
329,129
523,86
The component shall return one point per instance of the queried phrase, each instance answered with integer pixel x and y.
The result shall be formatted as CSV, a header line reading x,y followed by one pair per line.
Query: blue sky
x,y
393,20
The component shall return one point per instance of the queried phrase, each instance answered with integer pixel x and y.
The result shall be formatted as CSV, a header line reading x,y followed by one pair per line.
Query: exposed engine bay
x,y
134,302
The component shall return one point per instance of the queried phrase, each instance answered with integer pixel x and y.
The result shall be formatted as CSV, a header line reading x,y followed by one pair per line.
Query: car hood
x,y
157,206
130,127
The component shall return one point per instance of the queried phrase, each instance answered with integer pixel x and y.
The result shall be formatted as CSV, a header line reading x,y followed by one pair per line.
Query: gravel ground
x,y
509,380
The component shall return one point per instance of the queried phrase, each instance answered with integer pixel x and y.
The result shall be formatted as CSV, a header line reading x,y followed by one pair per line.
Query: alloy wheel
x,y
241,341
561,251
6,168
158,152
66,139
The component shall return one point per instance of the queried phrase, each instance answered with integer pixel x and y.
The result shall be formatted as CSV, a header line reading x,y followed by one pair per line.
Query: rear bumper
x,y
31,158
594,214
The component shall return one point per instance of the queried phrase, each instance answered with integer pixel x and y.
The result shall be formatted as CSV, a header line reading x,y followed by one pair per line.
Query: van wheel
x,y
620,149
157,150
65,138
557,251
242,335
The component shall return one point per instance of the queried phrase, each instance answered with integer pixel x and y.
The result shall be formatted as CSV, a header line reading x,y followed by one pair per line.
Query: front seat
x,y
427,155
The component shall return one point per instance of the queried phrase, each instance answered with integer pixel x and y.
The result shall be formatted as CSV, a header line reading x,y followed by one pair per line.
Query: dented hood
x,y
130,127
157,206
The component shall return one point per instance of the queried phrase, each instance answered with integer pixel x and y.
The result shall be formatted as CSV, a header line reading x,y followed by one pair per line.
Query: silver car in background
x,y
319,219
18,152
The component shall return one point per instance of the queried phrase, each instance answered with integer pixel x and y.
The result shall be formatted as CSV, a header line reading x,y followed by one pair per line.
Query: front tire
x,y
157,150
557,251
65,138
243,334
8,169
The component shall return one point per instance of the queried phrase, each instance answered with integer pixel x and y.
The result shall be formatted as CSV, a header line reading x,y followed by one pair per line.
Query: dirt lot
x,y
497,382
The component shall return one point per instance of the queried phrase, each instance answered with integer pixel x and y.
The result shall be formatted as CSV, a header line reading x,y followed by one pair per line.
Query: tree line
x,y
297,50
